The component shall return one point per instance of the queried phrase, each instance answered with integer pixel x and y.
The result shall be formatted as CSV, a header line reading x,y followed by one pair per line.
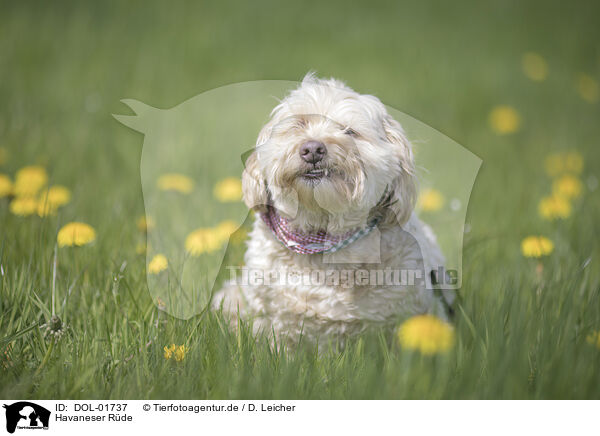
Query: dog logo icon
x,y
26,415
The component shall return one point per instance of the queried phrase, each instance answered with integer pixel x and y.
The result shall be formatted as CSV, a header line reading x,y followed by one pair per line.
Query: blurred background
x,y
514,82
66,67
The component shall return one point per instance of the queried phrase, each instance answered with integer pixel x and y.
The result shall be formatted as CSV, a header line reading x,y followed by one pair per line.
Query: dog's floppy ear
x,y
254,189
254,186
404,184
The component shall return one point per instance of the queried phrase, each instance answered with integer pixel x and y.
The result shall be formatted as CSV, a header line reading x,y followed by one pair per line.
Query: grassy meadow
x,y
514,82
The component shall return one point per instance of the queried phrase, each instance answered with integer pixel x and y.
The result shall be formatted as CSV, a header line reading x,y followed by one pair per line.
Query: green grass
x,y
64,71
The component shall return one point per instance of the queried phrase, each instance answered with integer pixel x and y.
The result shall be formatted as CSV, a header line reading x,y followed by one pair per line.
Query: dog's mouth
x,y
315,174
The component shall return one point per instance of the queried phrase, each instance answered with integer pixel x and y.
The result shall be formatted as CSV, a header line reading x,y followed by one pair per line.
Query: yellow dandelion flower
x,y
56,196
203,240
53,198
427,334
145,223
180,352
567,187
228,190
177,352
169,351
594,339
175,182
554,207
24,206
587,87
574,162
536,246
45,209
75,234
430,200
6,186
157,264
560,163
30,180
225,229
534,66
504,120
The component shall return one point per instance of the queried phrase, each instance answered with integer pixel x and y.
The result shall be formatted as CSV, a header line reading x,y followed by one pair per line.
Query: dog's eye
x,y
301,122
350,132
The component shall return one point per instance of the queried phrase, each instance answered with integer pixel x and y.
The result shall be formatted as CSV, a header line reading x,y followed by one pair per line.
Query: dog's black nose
x,y
313,151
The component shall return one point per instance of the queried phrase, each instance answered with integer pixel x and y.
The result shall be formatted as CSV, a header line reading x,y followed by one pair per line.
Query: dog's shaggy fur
x,y
367,155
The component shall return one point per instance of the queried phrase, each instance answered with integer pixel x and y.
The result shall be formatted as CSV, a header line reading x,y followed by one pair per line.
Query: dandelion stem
x,y
46,356
54,283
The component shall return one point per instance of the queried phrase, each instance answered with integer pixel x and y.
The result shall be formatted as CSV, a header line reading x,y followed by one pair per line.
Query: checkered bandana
x,y
320,242
303,243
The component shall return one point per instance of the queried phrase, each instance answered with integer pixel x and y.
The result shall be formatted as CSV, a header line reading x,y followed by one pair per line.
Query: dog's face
x,y
326,157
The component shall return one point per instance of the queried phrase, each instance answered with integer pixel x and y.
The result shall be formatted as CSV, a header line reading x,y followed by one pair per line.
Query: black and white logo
x,y
26,415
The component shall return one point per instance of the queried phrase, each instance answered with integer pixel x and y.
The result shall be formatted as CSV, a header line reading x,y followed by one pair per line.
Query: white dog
x,y
335,246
